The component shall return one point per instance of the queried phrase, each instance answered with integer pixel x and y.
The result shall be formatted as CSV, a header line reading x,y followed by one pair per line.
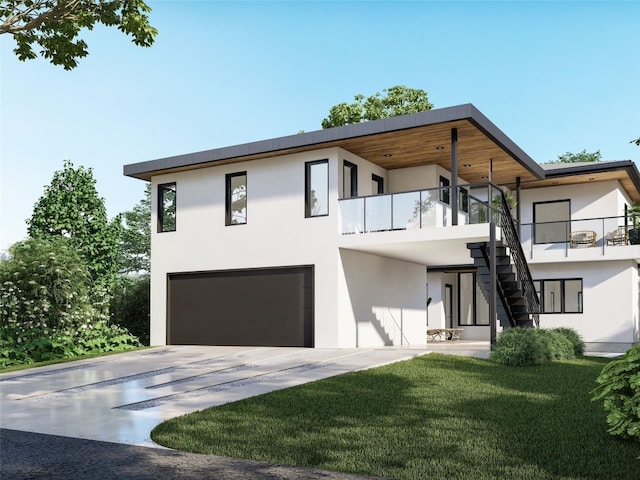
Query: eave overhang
x,y
424,138
624,171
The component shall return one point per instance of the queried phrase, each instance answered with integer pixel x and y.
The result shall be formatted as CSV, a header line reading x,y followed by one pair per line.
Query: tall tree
x,y
398,100
579,157
71,207
54,25
135,253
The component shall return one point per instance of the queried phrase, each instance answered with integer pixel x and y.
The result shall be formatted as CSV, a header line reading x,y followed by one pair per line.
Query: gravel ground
x,y
26,455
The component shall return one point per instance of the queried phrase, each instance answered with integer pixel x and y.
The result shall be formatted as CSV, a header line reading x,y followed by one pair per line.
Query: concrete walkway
x,y
92,418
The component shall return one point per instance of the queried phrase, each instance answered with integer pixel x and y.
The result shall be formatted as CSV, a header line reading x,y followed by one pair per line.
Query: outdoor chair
x,y
582,238
619,236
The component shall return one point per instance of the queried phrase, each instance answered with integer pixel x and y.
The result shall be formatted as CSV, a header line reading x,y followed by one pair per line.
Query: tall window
x,y
463,199
236,198
377,185
167,207
444,190
552,221
349,180
473,308
560,296
316,197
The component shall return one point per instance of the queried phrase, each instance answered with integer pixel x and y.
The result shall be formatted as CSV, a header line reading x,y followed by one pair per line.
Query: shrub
x,y
558,346
574,337
129,307
531,346
619,387
46,308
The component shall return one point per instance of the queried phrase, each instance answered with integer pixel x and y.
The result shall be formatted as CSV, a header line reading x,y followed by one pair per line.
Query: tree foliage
x,y
135,250
71,207
395,101
47,309
54,26
579,157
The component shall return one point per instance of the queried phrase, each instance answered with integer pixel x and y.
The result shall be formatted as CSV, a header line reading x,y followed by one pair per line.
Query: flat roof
x,y
418,139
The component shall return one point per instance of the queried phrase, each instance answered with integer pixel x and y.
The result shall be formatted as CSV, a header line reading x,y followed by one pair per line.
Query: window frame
x,y
463,200
307,188
228,201
474,299
540,290
379,181
352,188
445,193
535,225
161,189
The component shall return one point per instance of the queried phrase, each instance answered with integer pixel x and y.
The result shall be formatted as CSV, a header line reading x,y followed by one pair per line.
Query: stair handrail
x,y
512,238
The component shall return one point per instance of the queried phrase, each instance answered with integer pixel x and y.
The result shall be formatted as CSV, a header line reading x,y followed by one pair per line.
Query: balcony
x,y
418,209
590,239
418,226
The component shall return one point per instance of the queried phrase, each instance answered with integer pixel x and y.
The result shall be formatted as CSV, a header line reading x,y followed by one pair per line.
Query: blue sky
x,y
554,76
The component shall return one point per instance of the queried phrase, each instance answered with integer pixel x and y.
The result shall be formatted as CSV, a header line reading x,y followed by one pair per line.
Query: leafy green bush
x,y
575,339
619,387
129,306
531,346
46,307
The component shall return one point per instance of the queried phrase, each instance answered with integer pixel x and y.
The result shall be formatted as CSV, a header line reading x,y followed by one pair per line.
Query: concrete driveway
x,y
121,398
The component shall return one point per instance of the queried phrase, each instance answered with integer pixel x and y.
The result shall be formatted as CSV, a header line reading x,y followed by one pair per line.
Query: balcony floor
x,y
427,246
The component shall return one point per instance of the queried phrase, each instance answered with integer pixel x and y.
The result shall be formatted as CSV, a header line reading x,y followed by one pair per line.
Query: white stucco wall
x,y
382,301
365,170
610,300
276,234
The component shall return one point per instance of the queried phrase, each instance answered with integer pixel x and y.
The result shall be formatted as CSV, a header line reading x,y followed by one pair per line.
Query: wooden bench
x,y
444,334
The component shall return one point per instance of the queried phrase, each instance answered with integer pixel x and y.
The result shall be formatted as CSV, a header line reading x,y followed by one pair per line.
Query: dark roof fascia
x,y
491,130
597,167
320,137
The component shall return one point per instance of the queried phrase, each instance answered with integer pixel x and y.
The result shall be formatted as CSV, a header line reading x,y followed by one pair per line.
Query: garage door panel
x,y
270,307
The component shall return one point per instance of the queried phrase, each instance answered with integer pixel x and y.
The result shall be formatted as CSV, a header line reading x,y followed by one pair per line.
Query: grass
x,y
436,416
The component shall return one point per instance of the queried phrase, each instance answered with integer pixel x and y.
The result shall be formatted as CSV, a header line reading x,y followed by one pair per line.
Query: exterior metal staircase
x,y
512,309
519,305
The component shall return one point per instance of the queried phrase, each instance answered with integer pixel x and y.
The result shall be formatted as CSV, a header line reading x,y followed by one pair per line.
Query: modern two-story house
x,y
371,234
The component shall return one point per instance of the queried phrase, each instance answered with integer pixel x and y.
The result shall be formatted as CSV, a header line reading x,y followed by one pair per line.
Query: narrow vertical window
x,y
317,188
444,190
167,207
349,180
377,185
463,200
236,198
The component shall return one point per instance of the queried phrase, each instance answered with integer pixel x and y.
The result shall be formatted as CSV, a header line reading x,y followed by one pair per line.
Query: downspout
x,y
454,176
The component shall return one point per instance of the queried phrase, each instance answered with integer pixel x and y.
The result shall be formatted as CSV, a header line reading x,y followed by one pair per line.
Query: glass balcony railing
x,y
563,237
427,208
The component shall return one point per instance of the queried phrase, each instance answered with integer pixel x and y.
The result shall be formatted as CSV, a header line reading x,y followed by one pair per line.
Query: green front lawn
x,y
436,417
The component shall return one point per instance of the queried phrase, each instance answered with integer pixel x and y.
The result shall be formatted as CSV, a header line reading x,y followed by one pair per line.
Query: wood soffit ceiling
x,y
621,175
478,153
424,145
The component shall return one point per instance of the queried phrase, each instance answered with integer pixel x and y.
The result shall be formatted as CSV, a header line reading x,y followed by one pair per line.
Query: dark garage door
x,y
265,307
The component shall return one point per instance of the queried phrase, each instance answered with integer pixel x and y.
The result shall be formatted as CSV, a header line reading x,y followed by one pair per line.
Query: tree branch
x,y
63,11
